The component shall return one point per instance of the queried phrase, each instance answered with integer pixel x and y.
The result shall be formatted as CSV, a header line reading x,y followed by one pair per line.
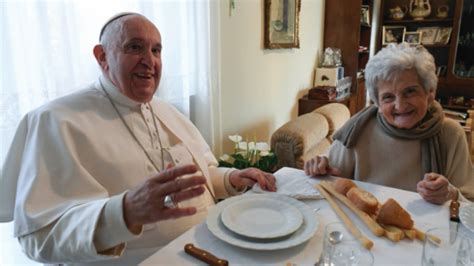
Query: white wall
x,y
260,88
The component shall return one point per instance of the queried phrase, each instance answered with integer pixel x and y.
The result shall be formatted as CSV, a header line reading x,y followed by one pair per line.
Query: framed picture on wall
x,y
281,24
428,35
443,35
393,34
412,37
365,15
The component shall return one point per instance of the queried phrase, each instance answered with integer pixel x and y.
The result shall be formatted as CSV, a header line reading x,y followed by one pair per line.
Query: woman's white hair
x,y
395,58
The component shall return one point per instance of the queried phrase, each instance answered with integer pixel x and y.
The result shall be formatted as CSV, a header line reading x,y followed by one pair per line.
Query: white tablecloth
x,y
405,252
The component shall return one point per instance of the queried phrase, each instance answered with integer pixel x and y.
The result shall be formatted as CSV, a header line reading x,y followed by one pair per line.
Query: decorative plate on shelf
x,y
466,214
262,218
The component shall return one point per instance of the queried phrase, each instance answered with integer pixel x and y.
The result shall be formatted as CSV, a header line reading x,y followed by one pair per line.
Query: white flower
x,y
235,138
253,153
252,146
262,146
224,157
243,145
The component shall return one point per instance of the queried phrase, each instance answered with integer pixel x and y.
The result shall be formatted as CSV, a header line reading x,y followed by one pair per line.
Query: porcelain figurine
x,y
442,11
398,13
420,9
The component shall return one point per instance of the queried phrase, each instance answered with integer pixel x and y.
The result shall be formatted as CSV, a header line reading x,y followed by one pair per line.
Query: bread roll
x,y
342,185
365,201
392,213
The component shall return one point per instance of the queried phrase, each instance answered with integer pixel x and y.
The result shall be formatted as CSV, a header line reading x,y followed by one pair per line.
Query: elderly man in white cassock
x,y
110,174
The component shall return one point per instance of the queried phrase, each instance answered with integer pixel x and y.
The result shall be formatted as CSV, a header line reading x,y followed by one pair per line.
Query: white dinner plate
x,y
261,217
301,235
466,214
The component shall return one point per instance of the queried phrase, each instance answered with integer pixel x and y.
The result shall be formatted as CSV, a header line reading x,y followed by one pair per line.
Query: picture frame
x,y
281,24
443,35
365,15
412,37
428,35
392,34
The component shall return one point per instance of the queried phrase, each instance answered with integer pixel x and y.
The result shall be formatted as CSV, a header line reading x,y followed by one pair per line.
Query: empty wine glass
x,y
465,254
341,248
439,250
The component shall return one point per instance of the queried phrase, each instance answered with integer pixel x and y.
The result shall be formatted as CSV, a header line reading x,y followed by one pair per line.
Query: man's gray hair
x,y
395,58
110,27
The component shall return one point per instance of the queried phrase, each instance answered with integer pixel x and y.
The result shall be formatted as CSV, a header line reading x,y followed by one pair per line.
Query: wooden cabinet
x,y
345,28
306,105
454,58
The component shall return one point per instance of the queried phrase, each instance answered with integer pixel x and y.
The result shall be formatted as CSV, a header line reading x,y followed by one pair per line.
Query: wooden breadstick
x,y
367,243
369,221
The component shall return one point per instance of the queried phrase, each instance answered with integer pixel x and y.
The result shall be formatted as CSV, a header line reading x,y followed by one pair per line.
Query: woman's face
x,y
402,101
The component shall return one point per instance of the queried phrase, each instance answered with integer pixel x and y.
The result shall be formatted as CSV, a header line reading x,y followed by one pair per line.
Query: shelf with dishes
x,y
424,21
430,37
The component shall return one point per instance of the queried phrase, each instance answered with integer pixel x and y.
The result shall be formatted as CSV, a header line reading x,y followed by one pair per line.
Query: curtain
x,y
46,52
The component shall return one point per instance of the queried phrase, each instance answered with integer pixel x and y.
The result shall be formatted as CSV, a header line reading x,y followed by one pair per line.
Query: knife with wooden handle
x,y
204,256
453,220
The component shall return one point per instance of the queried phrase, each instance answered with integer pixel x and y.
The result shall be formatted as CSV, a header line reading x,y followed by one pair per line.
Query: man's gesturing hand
x,y
144,203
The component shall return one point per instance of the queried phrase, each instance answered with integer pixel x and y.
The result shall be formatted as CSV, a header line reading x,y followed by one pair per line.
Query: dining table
x,y
385,252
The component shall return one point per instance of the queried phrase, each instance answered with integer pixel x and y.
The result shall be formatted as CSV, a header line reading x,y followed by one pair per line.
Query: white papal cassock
x,y
70,164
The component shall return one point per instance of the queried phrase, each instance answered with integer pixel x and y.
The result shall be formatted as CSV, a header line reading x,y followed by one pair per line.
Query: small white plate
x,y
262,218
303,234
466,214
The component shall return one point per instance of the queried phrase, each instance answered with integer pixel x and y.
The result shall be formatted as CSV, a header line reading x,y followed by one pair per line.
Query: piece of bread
x,y
342,185
392,213
365,201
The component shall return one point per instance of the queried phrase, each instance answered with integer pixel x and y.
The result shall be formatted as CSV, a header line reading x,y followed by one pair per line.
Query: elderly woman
x,y
403,140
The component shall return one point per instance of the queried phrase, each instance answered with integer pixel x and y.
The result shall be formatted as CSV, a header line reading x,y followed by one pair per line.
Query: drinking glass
x,y
341,248
438,250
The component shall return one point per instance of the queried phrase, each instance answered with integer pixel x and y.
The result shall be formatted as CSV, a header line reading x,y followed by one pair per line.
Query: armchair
x,y
308,135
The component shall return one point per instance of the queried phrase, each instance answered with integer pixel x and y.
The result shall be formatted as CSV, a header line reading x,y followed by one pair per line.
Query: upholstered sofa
x,y
308,135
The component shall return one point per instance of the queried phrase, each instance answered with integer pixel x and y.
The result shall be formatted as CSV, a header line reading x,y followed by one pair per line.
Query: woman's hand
x,y
435,188
319,166
241,179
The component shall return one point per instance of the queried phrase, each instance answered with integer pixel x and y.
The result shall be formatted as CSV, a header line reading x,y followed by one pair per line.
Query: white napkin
x,y
294,186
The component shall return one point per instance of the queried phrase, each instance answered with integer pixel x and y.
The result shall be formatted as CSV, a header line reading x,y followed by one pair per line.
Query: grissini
x,y
407,233
367,243
422,235
410,233
371,224
393,233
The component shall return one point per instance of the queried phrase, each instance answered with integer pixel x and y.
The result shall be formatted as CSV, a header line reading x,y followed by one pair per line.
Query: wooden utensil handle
x,y
454,210
204,256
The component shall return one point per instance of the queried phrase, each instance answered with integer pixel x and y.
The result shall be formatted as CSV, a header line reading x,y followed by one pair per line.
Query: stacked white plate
x,y
262,222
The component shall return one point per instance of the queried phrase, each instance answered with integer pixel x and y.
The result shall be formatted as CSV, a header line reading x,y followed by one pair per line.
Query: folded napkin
x,y
297,187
